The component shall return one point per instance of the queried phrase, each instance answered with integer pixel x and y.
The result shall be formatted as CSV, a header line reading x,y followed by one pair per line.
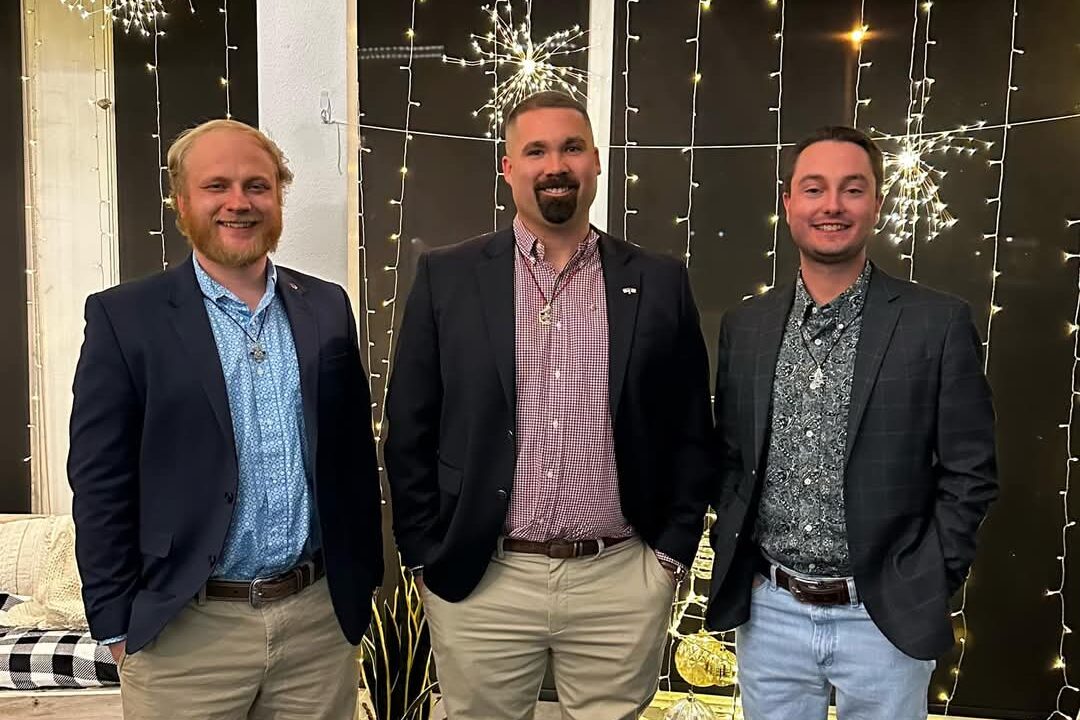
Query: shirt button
x,y
809,528
557,374
818,341
558,325
812,566
555,423
501,492
809,433
840,326
806,481
550,474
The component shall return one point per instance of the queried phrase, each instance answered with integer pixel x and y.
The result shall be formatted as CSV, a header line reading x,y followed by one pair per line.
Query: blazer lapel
x,y
495,276
622,285
305,333
192,324
775,310
878,322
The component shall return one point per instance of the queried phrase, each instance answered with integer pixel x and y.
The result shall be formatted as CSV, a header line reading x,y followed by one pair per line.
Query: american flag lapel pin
x,y
629,291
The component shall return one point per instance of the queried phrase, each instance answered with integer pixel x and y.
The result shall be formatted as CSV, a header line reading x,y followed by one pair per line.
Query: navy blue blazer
x,y
153,466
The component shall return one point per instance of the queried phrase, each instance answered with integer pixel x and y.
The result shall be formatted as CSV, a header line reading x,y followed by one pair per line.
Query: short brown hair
x,y
545,99
838,133
182,145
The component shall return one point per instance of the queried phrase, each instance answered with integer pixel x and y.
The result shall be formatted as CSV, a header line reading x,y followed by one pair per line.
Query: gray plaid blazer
x,y
921,468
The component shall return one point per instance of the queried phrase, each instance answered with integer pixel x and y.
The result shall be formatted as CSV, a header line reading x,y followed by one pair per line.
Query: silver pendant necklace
x,y
256,351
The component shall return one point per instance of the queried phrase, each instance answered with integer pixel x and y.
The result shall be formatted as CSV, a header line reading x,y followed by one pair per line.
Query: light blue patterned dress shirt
x,y
274,513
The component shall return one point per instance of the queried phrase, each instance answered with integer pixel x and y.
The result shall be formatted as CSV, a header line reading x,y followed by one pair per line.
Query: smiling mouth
x,y
831,227
237,224
558,191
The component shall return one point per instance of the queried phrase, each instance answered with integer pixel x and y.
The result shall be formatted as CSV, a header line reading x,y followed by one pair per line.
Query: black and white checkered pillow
x,y
37,659
34,659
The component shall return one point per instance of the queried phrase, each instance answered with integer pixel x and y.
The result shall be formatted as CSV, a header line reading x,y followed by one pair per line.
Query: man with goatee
x,y
548,442
226,494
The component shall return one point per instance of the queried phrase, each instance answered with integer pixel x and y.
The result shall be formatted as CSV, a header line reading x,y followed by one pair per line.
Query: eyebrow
x,y
223,179
844,181
540,143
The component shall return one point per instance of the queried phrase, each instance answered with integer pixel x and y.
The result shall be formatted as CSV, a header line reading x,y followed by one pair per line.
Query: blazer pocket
x,y
449,478
154,543
337,360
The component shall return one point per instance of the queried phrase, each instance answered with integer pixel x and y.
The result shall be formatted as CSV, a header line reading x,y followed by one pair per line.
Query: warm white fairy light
x,y
628,109
860,65
495,132
138,15
995,236
695,80
398,203
38,458
366,311
1067,523
774,220
995,273
226,81
161,168
536,65
102,103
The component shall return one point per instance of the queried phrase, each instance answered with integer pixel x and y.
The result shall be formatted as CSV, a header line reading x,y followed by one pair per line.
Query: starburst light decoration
x,y
912,185
534,66
135,15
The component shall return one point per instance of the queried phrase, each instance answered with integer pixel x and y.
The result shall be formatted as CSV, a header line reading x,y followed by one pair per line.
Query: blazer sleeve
x,y
414,407
967,461
694,467
103,473
725,434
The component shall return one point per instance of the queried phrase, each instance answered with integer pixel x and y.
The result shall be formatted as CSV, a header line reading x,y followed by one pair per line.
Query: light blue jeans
x,y
791,654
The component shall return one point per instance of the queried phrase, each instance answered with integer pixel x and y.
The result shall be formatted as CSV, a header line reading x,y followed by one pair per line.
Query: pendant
x,y
258,354
817,379
544,316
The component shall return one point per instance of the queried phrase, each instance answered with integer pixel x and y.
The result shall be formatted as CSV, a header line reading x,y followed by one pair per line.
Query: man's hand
x,y
118,650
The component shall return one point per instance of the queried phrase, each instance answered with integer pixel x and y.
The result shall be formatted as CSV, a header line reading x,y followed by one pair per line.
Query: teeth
x,y
831,227
237,224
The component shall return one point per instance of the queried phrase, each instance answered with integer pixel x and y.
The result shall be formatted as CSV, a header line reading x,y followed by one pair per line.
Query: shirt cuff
x,y
113,640
417,571
668,560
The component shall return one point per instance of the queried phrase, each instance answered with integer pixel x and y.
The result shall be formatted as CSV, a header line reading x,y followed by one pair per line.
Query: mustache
x,y
562,180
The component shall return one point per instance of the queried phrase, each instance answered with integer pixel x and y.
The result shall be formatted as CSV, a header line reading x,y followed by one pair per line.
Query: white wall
x,y
307,55
71,247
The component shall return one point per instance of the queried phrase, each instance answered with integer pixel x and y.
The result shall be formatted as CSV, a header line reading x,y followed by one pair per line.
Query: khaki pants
x,y
228,660
601,620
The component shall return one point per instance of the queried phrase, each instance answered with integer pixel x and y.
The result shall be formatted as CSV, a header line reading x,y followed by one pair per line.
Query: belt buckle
x,y
255,597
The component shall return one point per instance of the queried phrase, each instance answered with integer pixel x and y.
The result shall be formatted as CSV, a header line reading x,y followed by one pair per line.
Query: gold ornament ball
x,y
689,708
703,660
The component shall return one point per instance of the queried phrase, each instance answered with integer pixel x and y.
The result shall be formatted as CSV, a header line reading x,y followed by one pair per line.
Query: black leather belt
x,y
815,592
561,549
268,589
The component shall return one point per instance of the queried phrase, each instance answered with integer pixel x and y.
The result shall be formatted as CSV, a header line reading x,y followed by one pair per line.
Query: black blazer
x,y
153,462
450,449
921,469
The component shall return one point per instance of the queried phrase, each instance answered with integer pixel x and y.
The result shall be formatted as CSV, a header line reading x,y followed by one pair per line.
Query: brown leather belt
x,y
561,549
805,590
268,589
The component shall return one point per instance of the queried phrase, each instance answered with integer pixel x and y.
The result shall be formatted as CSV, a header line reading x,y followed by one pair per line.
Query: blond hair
x,y
182,145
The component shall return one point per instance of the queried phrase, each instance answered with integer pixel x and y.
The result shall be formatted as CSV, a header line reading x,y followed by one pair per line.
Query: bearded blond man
x,y
226,494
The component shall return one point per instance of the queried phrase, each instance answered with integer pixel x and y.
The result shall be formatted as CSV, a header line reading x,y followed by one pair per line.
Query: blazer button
x,y
501,492
510,434
229,498
213,560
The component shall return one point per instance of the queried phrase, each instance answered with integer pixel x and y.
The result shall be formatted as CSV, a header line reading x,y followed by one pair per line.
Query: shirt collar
x,y
843,307
214,290
531,245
